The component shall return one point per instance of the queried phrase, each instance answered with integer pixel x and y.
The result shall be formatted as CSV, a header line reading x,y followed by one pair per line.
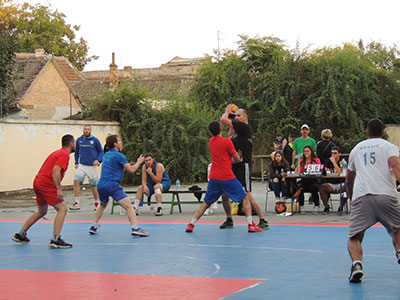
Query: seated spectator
x,y
329,186
155,180
324,146
277,173
280,142
309,184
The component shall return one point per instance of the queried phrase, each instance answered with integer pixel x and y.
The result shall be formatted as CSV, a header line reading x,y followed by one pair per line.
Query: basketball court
x,y
289,261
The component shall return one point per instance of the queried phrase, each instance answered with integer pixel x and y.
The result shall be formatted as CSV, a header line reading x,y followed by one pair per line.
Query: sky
x,y
146,34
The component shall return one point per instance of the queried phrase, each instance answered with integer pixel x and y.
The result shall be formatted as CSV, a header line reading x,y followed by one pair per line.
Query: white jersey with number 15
x,y
370,160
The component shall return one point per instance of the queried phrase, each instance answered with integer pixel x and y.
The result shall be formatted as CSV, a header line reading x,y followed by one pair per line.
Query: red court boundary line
x,y
200,222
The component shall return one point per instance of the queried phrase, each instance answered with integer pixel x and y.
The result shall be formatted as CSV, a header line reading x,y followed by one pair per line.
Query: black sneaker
x,y
326,210
227,224
18,238
263,224
59,244
397,255
159,211
356,273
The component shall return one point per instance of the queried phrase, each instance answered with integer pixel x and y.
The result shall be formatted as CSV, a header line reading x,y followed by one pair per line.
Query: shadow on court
x,y
286,262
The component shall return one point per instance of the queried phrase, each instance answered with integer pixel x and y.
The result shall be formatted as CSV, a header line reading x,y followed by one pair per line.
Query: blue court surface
x,y
285,262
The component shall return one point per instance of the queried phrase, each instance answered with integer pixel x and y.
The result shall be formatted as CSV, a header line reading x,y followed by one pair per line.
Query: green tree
x,y
39,26
8,46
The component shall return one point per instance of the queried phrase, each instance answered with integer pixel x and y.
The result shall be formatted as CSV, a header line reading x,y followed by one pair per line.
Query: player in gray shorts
x,y
372,191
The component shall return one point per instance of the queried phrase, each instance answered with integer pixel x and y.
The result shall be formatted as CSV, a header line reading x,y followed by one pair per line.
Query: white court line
x,y
186,245
244,289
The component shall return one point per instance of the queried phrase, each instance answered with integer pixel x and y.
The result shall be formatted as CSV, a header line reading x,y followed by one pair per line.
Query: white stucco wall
x,y
24,145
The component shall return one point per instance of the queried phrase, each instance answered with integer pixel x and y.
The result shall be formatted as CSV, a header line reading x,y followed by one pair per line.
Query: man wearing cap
x,y
300,143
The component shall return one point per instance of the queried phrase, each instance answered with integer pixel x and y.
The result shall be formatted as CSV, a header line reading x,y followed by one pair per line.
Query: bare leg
x,y
95,193
255,205
126,204
226,203
99,213
139,193
354,247
62,210
246,207
158,196
200,211
42,211
77,188
396,240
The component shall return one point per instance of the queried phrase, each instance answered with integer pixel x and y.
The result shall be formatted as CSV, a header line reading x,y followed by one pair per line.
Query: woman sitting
x,y
309,184
277,173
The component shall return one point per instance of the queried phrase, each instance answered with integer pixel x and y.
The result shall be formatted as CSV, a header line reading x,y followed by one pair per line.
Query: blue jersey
x,y
88,150
165,177
112,169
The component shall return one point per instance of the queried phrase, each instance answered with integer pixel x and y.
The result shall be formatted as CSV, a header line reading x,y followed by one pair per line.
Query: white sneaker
x,y
207,212
75,206
96,205
277,199
315,210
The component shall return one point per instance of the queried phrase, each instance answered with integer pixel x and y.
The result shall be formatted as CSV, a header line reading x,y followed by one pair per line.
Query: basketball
x,y
234,108
280,207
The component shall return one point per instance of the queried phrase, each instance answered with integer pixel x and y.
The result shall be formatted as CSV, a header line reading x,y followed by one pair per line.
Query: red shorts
x,y
45,194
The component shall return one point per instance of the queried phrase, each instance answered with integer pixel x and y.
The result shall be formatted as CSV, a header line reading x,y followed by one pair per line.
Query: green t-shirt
x,y
300,143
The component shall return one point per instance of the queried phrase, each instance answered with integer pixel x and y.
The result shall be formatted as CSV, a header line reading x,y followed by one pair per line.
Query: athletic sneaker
x,y
254,228
159,211
356,273
397,255
59,244
326,211
227,224
93,230
189,227
75,206
18,238
96,206
139,232
263,224
315,210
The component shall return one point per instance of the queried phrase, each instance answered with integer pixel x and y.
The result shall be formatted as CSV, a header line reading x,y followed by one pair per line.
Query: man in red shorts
x,y
48,190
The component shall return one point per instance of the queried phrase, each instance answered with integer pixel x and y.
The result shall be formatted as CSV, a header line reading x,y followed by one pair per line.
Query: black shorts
x,y
242,172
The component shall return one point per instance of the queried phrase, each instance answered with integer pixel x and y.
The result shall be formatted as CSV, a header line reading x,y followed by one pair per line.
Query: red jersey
x,y
60,158
221,150
315,162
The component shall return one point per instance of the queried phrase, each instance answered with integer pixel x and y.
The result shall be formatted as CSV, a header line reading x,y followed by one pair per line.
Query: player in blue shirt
x,y
114,164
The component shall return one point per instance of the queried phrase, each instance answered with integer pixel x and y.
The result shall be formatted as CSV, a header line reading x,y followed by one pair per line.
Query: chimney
x,y
39,52
113,73
128,72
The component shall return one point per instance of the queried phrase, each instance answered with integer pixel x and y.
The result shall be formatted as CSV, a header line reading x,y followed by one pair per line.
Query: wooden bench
x,y
175,200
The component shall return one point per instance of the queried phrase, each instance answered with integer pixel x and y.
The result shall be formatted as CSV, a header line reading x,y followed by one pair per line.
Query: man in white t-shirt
x,y
374,197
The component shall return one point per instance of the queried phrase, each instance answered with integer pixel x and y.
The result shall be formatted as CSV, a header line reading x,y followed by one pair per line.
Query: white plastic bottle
x,y
178,184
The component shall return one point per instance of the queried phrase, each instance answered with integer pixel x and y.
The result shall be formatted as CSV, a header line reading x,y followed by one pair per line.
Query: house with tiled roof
x,y
44,87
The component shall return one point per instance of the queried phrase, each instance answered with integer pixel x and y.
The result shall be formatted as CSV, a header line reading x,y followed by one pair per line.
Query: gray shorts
x,y
369,209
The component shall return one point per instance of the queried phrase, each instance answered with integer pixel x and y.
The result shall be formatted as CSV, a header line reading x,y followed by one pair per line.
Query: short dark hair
x,y
375,127
66,140
110,141
214,127
148,154
279,134
336,148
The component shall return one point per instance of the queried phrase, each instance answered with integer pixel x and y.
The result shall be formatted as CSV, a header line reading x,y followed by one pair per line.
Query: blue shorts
x,y
233,188
114,191
165,186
